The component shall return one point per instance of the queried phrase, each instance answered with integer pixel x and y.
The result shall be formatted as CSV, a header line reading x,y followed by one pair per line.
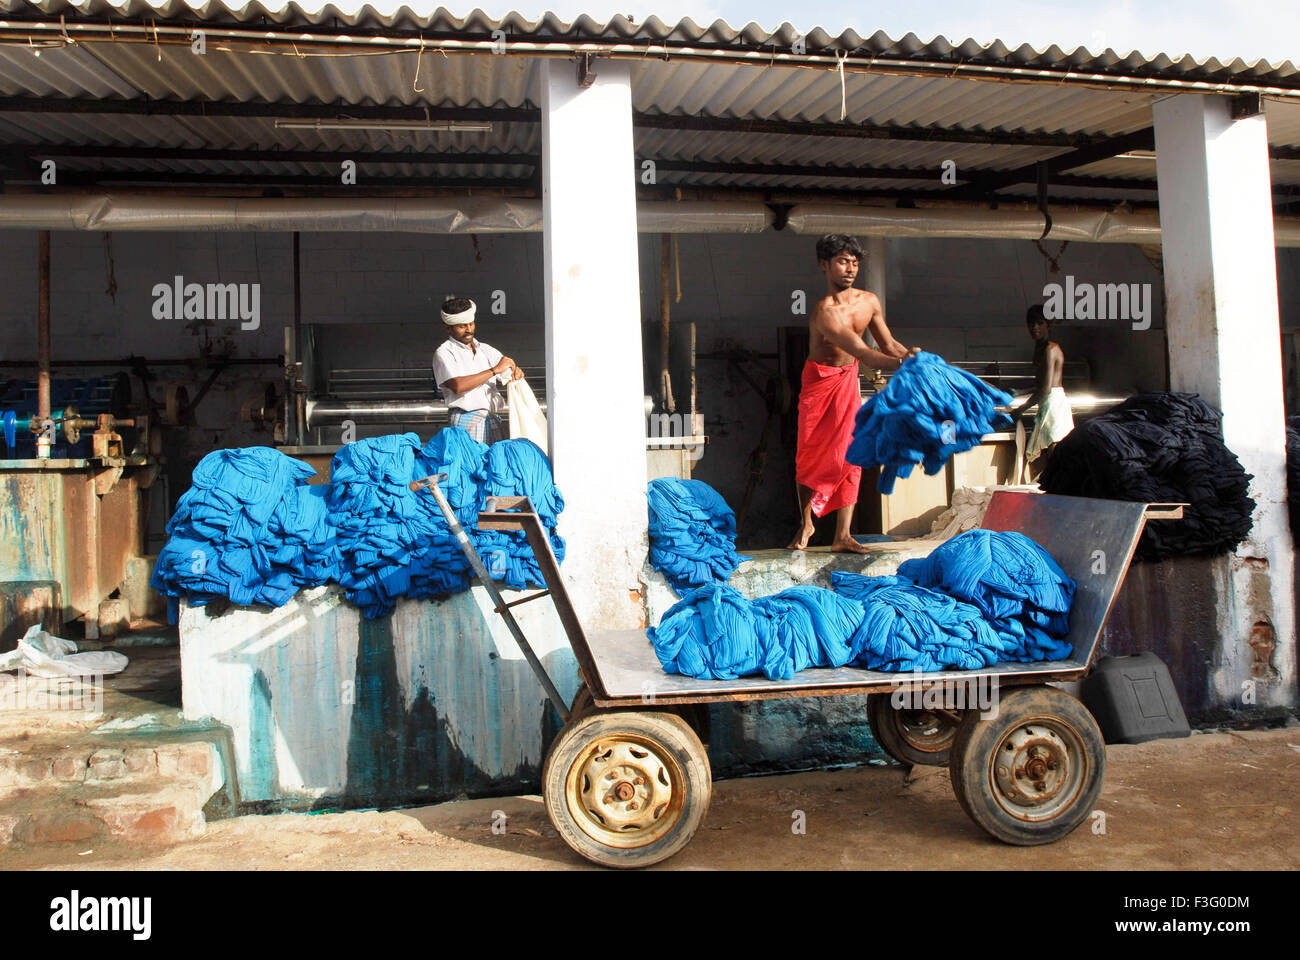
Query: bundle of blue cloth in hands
x,y
692,533
981,598
929,411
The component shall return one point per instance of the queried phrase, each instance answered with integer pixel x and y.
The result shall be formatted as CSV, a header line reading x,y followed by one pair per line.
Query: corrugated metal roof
x,y
112,70
363,17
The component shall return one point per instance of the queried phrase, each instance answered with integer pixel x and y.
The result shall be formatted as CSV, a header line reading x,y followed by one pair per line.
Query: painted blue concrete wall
x,y
326,708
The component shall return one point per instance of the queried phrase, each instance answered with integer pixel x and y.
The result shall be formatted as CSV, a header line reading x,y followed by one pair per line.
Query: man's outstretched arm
x,y
880,330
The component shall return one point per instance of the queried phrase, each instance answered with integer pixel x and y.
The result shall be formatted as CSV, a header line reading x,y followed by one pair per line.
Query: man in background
x,y
468,372
1054,419
829,397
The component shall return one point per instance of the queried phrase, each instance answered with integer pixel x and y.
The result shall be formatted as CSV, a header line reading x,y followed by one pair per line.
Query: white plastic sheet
x,y
42,654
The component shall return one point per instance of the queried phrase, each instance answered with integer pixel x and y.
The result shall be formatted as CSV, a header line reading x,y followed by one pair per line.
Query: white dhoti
x,y
1053,421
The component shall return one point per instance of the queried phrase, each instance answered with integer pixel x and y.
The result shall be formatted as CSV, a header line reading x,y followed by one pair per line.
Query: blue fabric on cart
x,y
519,468
715,633
249,529
984,598
928,412
907,627
692,533
1013,581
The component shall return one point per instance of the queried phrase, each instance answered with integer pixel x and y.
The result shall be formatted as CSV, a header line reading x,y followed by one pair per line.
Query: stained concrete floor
x,y
1220,801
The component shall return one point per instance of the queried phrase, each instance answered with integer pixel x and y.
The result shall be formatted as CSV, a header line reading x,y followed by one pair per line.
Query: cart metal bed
x,y
627,781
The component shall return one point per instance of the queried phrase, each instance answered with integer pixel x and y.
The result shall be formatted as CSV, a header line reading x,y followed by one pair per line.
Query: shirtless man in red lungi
x,y
829,398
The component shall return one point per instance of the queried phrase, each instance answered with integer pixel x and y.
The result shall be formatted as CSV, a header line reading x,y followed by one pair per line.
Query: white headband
x,y
466,316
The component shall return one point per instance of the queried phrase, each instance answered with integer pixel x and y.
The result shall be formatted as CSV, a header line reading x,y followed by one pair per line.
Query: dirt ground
x,y
1222,801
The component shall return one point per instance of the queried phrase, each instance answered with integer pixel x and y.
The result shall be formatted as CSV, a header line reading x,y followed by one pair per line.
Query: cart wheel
x,y
582,703
911,736
1032,773
627,789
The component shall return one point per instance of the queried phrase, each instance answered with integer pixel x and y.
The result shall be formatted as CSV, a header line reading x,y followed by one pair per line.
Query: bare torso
x,y
1049,365
856,309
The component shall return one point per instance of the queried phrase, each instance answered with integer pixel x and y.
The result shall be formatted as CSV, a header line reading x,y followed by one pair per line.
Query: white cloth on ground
x,y
1053,422
42,654
455,359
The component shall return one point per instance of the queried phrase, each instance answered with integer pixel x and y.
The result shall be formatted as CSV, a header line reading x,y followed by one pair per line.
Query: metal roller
x,y
332,413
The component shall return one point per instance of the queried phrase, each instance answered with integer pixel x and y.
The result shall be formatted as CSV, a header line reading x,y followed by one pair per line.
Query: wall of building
x,y
964,299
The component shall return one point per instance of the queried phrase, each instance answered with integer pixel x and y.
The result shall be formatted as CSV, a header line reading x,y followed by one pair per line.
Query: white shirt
x,y
454,359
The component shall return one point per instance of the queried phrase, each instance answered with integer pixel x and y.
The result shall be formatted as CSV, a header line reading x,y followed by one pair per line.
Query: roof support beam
x,y
987,185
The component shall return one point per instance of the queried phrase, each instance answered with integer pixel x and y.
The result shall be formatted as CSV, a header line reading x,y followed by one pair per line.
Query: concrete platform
x,y
86,762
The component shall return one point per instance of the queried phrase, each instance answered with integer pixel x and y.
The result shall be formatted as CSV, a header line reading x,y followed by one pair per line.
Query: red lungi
x,y
828,402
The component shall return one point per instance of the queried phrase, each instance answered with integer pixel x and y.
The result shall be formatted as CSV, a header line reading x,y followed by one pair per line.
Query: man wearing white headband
x,y
468,372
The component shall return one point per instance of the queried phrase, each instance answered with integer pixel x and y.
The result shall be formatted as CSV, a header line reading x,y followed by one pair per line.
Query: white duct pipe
x,y
1086,226
321,214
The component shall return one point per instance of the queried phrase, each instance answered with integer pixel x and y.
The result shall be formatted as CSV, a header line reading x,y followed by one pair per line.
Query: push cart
x,y
627,781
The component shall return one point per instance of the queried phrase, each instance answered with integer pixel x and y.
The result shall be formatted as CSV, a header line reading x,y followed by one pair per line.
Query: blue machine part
x,y
88,396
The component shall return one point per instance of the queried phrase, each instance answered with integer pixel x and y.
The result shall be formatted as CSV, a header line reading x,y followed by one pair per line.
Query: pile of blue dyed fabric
x,y
907,627
979,599
249,528
518,468
1013,581
692,533
394,542
715,633
928,412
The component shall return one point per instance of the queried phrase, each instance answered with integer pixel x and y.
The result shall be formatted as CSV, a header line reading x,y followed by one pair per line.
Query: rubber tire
x,y
695,714
674,737
978,737
883,718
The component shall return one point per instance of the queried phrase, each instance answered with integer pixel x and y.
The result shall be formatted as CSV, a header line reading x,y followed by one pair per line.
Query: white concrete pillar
x,y
594,374
876,278
1216,221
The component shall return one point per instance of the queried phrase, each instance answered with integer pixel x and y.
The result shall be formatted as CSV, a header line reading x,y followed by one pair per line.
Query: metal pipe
x,y
665,311
297,430
299,43
129,362
44,433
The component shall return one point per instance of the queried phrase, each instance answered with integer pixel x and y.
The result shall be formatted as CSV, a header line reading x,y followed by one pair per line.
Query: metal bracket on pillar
x,y
586,77
1246,105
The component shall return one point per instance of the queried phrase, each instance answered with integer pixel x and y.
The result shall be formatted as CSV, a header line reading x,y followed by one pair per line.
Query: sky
x,y
1226,29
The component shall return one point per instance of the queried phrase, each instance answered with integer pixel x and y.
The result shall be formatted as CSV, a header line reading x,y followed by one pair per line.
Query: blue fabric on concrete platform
x,y
519,468
393,541
1013,581
714,632
692,533
928,412
250,529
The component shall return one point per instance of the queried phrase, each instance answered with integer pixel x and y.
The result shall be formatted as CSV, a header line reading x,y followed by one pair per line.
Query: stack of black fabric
x,y
1160,448
1293,472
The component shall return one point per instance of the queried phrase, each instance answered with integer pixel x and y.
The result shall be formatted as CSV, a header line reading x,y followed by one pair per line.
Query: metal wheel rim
x,y
1038,768
624,791
925,730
